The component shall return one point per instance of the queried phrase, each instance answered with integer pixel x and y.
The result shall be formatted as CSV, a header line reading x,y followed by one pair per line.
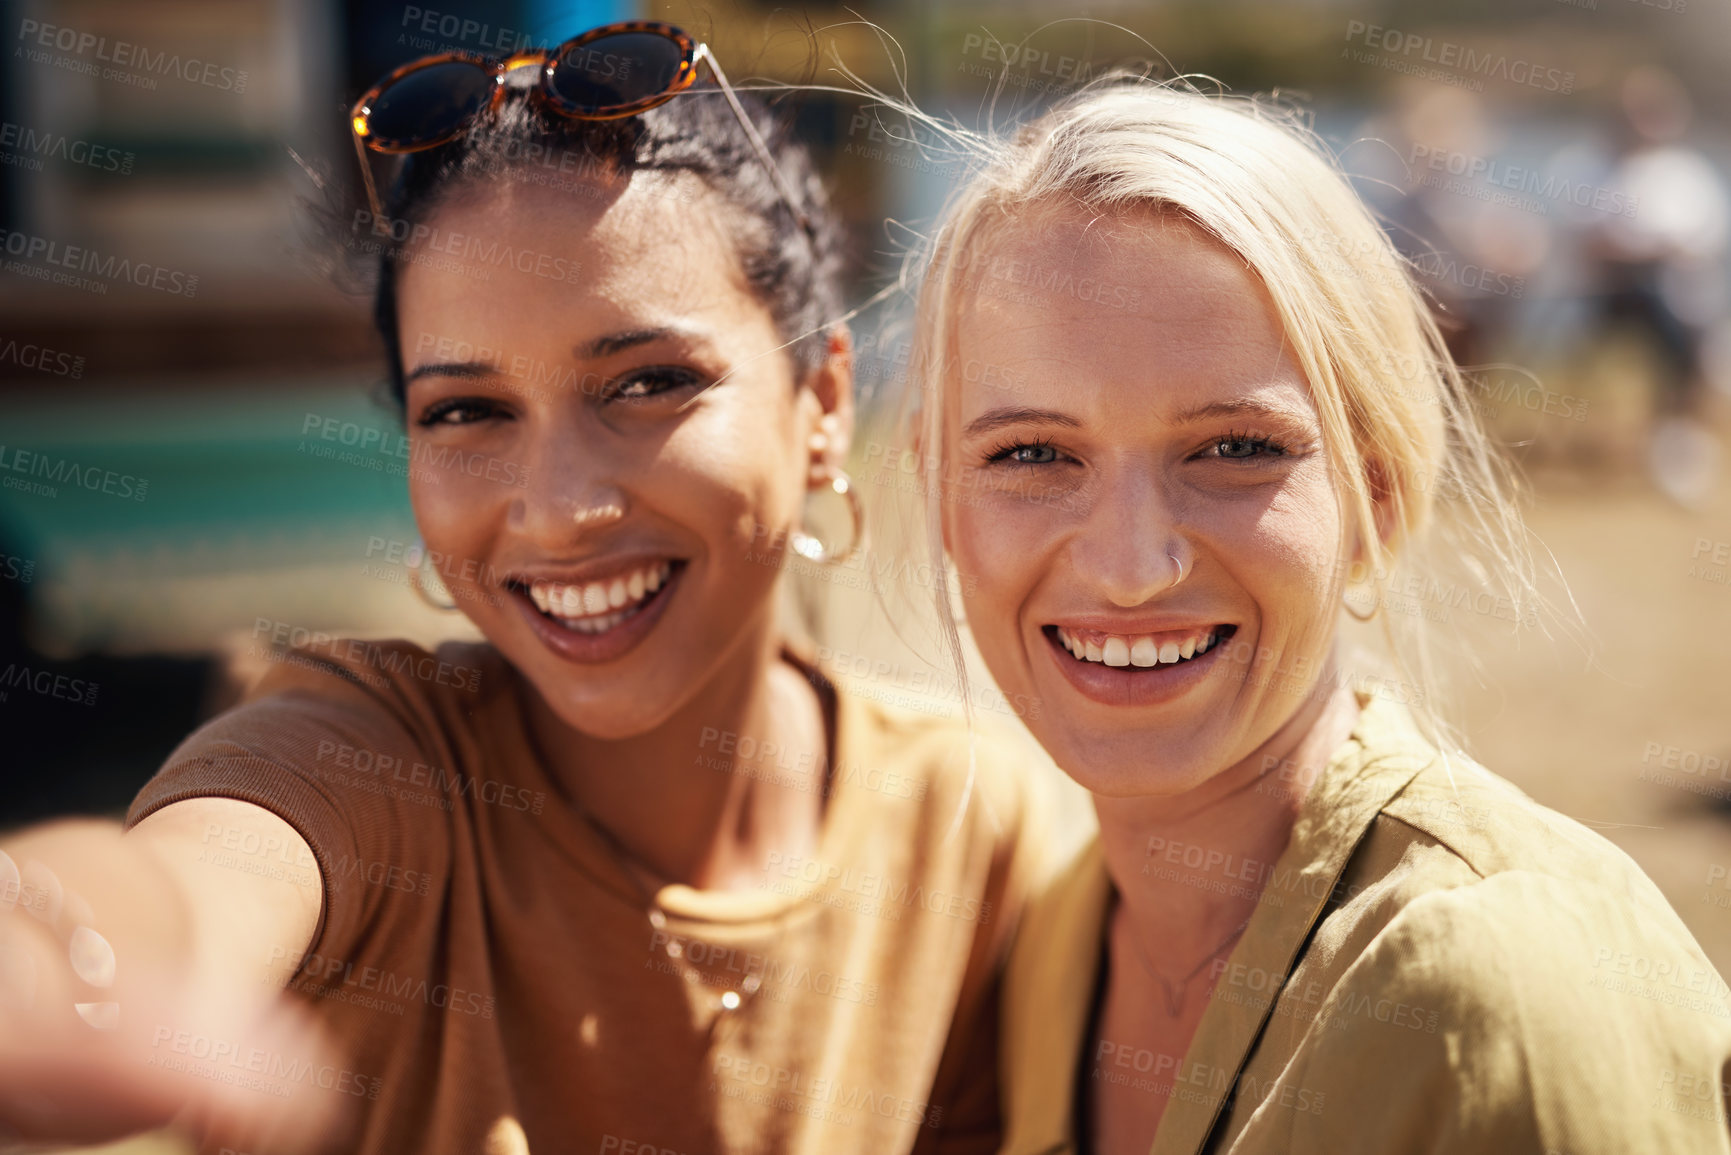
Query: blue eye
x,y
1243,447
1024,453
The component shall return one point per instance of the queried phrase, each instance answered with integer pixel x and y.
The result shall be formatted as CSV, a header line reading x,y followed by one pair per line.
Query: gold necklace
x,y
737,994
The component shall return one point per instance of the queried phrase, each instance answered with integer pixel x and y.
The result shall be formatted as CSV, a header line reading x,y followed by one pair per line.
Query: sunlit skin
x,y
1158,468
647,406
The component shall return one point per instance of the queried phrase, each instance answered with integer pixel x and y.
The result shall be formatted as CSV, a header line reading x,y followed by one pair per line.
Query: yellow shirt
x,y
1431,967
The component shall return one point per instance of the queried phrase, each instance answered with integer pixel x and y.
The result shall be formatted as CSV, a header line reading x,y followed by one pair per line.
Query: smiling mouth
x,y
597,607
1138,651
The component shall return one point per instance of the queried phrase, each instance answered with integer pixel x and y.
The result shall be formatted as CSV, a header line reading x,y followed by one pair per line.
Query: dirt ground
x,y
1627,747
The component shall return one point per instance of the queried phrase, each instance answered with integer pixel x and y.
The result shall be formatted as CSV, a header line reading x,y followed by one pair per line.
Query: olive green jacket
x,y
1433,965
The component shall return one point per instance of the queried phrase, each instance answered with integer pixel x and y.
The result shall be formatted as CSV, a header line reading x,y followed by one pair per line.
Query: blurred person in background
x,y
1310,921
1661,269
632,874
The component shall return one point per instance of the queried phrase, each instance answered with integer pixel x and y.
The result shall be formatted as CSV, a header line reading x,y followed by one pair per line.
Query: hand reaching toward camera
x,y
136,985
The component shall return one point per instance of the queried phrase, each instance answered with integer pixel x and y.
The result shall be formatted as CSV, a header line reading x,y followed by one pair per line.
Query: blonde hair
x,y
1395,409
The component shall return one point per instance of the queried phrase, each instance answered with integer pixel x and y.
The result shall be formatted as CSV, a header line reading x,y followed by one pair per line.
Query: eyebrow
x,y
604,346
1026,415
467,370
1242,407
1018,415
616,342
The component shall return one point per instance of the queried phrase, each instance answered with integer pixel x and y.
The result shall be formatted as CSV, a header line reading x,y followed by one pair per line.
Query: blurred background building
x,y
175,350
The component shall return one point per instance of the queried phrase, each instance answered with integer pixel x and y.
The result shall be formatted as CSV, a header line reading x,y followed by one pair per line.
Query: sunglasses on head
x,y
606,73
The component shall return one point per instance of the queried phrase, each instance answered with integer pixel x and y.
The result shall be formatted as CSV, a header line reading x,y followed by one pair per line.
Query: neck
x,y
1189,869
679,802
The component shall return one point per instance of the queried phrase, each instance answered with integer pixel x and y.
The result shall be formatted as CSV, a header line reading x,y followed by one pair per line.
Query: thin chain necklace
x,y
635,869
1174,991
648,881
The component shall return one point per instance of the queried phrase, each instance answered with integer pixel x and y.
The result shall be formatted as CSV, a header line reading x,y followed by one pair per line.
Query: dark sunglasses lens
x,y
430,102
614,71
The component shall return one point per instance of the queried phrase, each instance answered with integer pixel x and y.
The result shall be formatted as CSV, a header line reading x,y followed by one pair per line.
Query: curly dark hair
x,y
795,271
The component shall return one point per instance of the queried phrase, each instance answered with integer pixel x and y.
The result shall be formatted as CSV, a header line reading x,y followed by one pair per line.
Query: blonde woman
x,y
1310,923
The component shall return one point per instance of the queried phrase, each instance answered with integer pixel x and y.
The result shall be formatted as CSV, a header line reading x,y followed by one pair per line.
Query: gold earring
x,y
810,548
418,582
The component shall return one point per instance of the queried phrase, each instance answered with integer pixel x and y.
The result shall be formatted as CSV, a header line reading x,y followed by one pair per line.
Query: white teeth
x,y
1142,651
597,625
596,607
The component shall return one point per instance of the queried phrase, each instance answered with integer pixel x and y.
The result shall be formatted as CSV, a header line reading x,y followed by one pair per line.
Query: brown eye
x,y
652,382
456,411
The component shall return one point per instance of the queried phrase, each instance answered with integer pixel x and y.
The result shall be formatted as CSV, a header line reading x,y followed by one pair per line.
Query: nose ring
x,y
1180,566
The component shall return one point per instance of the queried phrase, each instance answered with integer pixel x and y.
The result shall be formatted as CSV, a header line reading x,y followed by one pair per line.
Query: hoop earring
x,y
1376,608
810,548
419,585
